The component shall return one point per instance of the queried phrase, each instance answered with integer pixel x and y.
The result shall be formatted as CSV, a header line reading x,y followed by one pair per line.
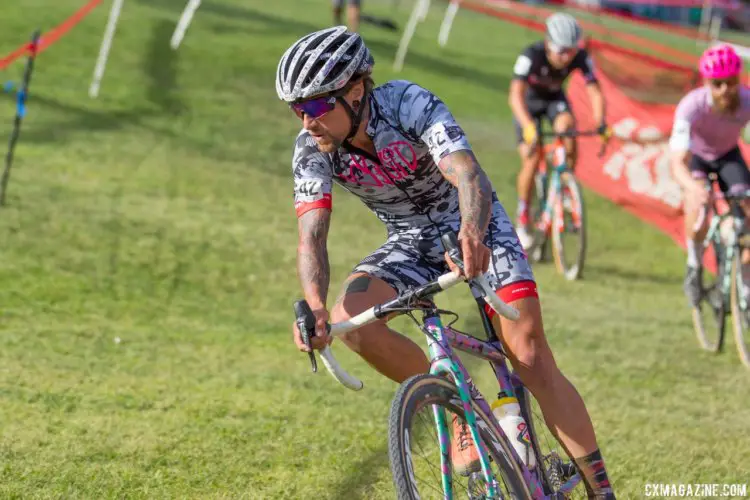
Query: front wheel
x,y
416,453
709,316
569,229
539,247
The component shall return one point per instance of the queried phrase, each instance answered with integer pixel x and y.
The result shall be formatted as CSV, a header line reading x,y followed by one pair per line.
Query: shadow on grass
x,y
264,19
160,64
362,475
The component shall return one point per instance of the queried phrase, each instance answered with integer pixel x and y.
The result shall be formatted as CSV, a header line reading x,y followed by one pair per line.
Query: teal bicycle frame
x,y
552,189
729,243
440,341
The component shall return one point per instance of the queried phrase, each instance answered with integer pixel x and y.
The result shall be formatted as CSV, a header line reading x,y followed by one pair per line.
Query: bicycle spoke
x,y
552,456
462,482
415,451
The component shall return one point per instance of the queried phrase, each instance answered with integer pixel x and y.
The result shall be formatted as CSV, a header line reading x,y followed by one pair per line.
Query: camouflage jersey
x,y
412,130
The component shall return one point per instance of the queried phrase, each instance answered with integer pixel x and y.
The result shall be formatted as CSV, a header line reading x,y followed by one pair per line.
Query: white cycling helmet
x,y
321,62
563,30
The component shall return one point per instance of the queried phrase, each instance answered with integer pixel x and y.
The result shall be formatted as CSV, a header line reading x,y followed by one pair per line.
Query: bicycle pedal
x,y
714,298
568,470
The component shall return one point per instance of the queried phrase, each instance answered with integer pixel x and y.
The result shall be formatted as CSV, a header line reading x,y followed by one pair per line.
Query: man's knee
x,y
536,366
696,218
529,350
564,122
528,346
354,340
529,157
745,204
361,291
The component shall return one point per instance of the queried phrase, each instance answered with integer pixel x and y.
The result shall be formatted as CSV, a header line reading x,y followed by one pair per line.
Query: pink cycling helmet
x,y
720,61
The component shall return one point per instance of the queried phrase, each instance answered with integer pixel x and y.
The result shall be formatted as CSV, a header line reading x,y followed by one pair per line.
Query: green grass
x,y
161,214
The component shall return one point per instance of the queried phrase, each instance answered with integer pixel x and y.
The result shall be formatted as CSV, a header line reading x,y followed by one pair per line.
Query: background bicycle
x,y
558,211
727,290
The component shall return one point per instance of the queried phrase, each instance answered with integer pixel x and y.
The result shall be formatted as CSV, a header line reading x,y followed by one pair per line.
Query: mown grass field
x,y
161,215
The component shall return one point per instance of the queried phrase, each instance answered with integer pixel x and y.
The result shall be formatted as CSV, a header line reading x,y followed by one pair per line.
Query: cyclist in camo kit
x,y
399,149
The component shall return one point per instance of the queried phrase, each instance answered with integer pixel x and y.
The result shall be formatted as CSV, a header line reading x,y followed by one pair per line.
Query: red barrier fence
x,y
634,173
671,28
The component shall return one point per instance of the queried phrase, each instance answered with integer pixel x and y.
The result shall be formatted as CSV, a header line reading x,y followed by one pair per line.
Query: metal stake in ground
x,y
21,97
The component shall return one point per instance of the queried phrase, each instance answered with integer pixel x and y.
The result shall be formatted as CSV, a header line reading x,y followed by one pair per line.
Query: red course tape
x,y
50,37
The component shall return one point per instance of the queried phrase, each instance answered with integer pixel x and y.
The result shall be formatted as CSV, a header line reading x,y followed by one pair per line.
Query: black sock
x,y
594,475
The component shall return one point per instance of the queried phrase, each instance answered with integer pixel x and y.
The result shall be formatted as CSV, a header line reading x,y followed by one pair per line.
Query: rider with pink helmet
x,y
705,135
720,62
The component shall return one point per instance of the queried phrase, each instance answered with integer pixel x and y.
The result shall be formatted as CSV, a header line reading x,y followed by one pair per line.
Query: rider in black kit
x,y
536,92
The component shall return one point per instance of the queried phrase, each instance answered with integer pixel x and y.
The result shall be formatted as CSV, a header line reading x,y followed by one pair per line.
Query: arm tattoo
x,y
312,255
474,189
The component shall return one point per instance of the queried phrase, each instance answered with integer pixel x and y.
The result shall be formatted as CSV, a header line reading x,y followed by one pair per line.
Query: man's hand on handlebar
x,y
321,337
530,134
473,257
605,133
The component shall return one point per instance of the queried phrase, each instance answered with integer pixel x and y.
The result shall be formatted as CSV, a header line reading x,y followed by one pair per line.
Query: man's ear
x,y
358,91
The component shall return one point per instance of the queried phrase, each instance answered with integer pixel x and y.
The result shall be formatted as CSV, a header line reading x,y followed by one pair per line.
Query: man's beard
x,y
728,104
328,144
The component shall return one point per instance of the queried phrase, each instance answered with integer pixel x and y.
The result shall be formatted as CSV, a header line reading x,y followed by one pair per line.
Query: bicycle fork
x,y
442,365
554,210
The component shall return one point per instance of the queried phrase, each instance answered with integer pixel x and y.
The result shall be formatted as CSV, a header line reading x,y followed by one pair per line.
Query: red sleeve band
x,y
303,207
514,291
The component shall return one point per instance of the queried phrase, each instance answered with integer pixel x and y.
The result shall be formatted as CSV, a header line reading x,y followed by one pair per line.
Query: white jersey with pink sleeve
x,y
704,132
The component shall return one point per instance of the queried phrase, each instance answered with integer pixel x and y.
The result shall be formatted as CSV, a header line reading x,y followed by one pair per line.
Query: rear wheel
x,y
555,466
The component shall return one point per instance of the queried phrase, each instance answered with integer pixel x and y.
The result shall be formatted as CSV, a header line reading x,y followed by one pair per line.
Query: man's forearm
x,y
314,275
312,257
474,190
598,105
517,104
680,171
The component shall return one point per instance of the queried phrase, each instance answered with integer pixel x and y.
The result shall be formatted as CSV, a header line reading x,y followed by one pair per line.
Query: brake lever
x,y
306,324
450,242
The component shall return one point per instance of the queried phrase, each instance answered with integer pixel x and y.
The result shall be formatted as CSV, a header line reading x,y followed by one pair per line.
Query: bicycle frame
x,y
441,341
553,188
730,246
